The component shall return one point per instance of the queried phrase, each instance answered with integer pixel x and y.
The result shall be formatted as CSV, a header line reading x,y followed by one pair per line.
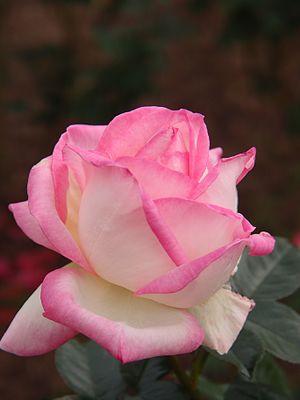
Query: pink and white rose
x,y
147,214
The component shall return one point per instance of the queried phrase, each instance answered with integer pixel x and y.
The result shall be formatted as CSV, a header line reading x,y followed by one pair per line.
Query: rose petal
x,y
176,156
199,144
189,147
31,334
129,327
215,155
201,228
193,283
178,162
29,224
223,191
73,205
157,180
127,133
261,244
113,230
41,203
163,233
157,145
222,317
83,136
144,129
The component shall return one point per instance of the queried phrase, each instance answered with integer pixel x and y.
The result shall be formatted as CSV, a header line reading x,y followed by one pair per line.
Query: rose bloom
x,y
147,214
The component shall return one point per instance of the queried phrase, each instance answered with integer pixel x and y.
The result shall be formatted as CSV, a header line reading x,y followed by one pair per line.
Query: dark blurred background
x,y
84,61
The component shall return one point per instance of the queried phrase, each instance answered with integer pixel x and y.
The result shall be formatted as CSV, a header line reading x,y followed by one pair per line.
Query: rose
x,y
148,216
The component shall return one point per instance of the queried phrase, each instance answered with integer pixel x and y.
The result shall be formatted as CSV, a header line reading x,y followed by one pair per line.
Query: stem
x,y
184,379
197,367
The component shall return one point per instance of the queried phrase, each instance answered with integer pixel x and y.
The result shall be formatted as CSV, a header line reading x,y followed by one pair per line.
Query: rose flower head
x,y
147,215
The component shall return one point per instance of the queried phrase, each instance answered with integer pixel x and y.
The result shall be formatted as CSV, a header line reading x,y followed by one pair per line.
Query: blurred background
x,y
84,61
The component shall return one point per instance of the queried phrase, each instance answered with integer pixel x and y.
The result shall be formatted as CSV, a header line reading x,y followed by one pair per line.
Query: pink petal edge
x,y
31,334
83,136
128,327
222,189
249,157
178,278
29,224
41,201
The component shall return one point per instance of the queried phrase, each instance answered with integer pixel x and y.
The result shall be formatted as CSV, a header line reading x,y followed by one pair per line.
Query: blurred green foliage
x,y
270,19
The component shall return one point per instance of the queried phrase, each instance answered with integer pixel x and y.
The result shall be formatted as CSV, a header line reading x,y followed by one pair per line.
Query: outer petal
x,y
113,230
31,334
83,136
201,228
193,283
29,224
215,155
223,191
261,244
129,327
41,203
222,318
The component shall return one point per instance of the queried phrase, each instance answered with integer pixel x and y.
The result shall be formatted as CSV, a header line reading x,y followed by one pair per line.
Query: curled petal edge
x,y
178,278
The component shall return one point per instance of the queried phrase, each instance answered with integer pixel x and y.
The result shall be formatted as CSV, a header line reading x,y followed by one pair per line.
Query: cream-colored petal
x,y
222,317
129,327
31,334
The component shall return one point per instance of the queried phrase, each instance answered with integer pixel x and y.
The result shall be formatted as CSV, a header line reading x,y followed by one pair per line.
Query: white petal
x,y
31,334
222,317
129,327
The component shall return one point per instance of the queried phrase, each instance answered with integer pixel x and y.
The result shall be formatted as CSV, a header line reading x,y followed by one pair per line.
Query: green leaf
x,y
211,390
252,391
270,277
278,328
141,373
132,372
71,397
244,353
143,376
163,390
89,370
215,366
155,369
267,371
